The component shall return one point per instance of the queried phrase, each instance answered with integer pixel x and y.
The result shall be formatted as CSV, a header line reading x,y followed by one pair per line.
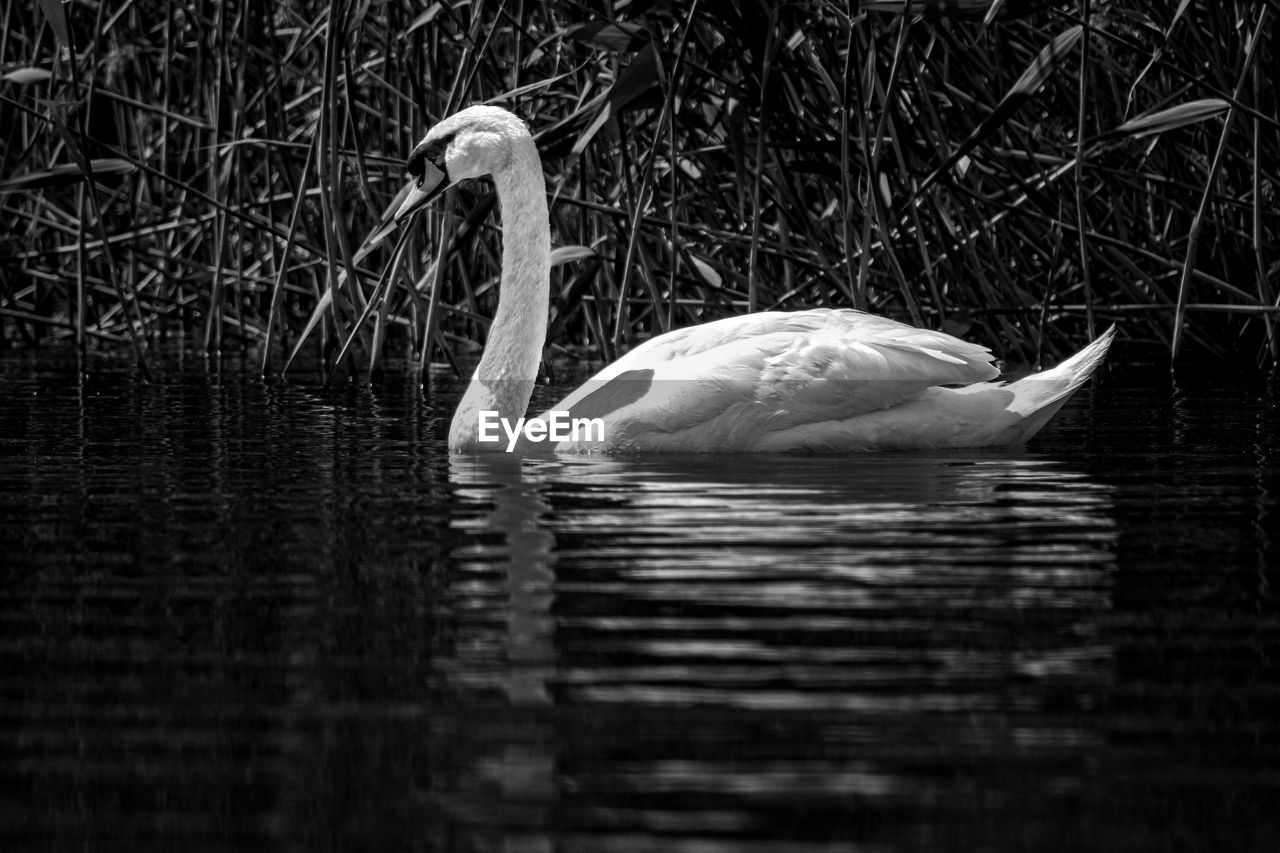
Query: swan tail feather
x,y
1038,397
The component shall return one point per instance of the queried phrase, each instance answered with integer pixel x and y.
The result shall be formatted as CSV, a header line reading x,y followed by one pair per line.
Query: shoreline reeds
x,y
1021,172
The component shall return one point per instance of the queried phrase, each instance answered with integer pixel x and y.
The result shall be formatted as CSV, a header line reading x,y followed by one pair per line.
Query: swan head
x,y
472,143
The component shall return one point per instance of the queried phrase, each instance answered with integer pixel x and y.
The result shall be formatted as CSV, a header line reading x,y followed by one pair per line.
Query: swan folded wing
x,y
831,377
842,323
744,379
681,343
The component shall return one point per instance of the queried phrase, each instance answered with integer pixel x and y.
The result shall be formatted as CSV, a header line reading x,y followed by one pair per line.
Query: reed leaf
x,y
57,18
1026,86
25,76
1170,118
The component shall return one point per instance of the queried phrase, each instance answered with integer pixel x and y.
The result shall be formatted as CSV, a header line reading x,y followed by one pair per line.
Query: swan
x,y
823,380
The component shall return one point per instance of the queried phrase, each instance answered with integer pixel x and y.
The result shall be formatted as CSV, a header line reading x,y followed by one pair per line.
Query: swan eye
x,y
432,152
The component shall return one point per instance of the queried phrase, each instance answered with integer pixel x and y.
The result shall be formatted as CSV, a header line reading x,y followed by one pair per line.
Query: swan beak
x,y
422,191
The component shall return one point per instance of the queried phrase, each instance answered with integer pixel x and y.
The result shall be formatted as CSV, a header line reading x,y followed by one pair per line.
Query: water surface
x,y
240,616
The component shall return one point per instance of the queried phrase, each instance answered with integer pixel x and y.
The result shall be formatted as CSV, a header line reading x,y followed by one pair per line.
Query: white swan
x,y
824,380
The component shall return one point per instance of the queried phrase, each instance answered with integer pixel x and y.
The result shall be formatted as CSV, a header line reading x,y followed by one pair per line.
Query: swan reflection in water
x,y
769,636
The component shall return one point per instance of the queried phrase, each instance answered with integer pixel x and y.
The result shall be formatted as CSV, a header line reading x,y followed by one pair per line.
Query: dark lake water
x,y
239,616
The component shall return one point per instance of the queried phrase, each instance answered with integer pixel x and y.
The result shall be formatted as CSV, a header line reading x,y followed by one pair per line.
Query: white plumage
x,y
824,380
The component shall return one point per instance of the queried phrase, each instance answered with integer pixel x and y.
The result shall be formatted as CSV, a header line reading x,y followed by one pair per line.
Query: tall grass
x,y
1023,172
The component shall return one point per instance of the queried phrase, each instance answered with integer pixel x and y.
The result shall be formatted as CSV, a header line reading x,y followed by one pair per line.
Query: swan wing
x,y
730,381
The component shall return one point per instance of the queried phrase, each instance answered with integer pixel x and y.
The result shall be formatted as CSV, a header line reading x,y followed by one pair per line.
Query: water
x,y
236,616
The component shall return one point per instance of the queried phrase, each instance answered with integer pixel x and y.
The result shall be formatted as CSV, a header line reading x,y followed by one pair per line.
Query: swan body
x,y
824,380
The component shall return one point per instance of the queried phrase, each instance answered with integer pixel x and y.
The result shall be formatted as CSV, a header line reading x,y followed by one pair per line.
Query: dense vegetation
x,y
225,170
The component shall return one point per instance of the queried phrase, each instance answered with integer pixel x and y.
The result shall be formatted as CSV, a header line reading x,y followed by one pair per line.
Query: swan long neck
x,y
504,378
